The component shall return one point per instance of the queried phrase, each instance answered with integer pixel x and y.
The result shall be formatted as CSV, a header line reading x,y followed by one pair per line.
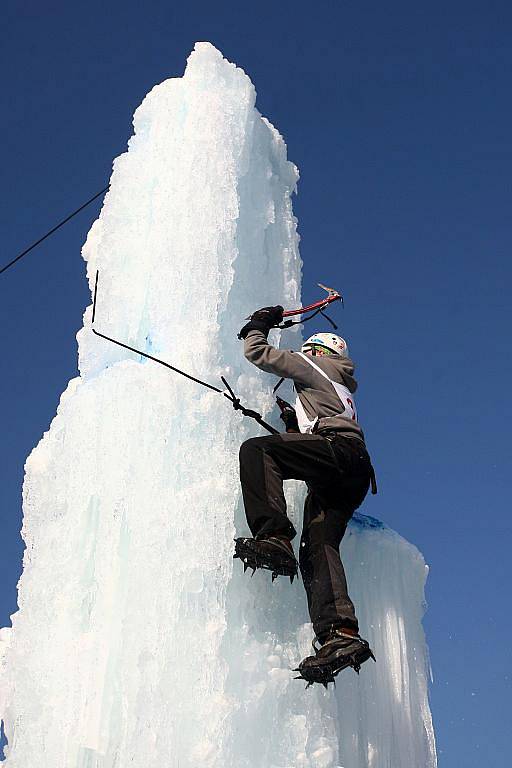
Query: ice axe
x,y
316,307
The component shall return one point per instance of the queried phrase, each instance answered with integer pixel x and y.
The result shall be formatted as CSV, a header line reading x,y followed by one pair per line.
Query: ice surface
x,y
136,642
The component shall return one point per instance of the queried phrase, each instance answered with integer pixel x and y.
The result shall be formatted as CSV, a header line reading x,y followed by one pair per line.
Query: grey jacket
x,y
317,395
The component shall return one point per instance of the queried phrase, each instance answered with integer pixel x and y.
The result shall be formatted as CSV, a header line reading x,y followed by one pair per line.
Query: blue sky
x,y
399,118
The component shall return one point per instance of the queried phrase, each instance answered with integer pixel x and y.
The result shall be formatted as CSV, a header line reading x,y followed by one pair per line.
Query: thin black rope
x,y
58,226
157,360
230,395
319,311
139,351
323,313
95,294
235,401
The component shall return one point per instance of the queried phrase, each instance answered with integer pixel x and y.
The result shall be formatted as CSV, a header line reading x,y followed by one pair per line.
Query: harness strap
x,y
332,436
373,480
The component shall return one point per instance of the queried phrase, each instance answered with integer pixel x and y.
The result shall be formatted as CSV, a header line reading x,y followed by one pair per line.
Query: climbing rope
x,y
54,229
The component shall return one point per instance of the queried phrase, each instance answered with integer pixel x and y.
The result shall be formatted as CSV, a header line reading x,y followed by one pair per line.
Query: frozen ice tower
x,y
136,642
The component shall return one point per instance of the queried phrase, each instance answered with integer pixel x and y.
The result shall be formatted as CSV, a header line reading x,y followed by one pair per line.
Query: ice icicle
x,y
135,642
384,714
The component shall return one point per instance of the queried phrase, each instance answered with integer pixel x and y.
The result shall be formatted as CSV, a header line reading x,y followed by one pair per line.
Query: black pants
x,y
338,476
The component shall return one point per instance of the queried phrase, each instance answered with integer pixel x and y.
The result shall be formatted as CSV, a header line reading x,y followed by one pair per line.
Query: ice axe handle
x,y
333,296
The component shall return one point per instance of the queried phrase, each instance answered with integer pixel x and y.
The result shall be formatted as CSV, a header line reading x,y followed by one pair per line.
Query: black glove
x,y
263,320
288,416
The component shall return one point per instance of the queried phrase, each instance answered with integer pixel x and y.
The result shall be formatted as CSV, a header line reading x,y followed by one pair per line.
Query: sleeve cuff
x,y
254,325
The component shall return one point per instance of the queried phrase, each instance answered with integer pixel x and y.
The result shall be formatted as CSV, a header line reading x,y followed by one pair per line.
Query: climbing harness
x,y
306,425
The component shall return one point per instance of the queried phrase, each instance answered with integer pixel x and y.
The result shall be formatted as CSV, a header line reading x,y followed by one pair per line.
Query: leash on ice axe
x,y
229,394
317,307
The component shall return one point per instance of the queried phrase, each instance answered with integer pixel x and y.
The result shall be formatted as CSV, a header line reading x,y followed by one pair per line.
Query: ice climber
x,y
324,446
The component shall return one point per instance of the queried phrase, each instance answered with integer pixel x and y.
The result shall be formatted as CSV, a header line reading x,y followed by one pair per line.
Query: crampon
x,y
339,651
272,554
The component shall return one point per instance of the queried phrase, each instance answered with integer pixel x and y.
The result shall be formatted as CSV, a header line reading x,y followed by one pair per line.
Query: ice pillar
x,y
135,642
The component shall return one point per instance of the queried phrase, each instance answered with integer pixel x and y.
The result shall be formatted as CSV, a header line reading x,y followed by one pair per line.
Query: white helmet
x,y
328,340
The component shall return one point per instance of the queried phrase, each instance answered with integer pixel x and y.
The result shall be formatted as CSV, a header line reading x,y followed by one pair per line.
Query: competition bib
x,y
344,394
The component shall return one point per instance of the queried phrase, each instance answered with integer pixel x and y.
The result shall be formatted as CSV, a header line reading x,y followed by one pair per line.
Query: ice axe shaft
x,y
333,295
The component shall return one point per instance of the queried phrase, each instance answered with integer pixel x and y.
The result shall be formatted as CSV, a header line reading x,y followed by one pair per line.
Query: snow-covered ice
x,y
136,642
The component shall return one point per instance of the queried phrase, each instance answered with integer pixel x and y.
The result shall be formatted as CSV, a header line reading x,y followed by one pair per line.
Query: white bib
x,y
347,398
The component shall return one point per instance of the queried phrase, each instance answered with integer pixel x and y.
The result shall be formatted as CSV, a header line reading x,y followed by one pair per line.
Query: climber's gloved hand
x,y
288,415
289,419
263,320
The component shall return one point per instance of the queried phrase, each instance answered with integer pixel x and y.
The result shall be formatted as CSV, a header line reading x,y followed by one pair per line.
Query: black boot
x,y
340,650
273,553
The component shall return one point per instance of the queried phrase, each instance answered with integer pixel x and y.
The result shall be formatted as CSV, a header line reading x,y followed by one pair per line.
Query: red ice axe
x,y
317,307
333,295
